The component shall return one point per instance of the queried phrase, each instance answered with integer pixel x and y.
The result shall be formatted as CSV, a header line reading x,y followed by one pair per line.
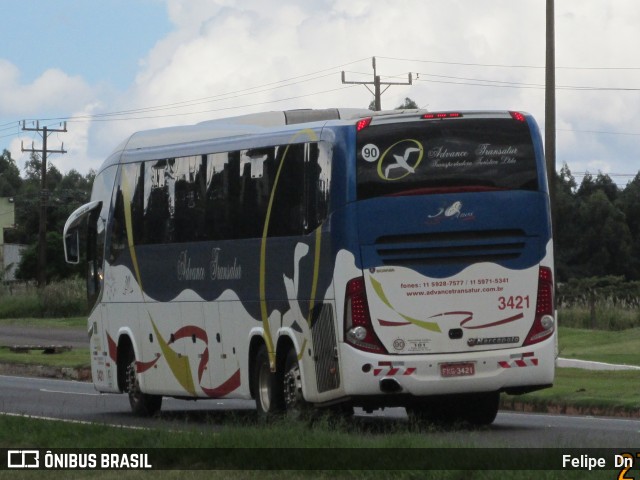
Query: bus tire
x,y
294,402
477,409
142,404
430,410
268,385
482,408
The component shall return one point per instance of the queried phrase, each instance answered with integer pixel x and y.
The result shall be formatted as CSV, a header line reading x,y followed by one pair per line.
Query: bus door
x,y
87,224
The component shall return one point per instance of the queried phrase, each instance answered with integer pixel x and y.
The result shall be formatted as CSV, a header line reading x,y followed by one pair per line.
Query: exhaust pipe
x,y
390,385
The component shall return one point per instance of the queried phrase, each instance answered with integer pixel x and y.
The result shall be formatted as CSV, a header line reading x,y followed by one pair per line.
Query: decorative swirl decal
x,y
264,313
377,287
179,365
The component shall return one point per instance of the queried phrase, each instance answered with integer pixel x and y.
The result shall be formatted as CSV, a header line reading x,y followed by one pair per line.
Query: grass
x,y
603,392
607,315
64,322
183,448
576,391
580,389
60,299
619,347
77,358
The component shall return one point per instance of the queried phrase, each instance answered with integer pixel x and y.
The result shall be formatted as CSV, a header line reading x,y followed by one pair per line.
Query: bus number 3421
x,y
517,302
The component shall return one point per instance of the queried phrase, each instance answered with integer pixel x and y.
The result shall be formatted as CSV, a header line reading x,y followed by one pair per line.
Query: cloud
x,y
231,57
53,91
53,94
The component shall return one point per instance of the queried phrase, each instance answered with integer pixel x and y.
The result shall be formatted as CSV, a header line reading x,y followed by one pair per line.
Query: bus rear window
x,y
408,158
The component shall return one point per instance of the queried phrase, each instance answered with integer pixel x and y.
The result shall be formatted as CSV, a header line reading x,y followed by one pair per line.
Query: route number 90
x,y
370,152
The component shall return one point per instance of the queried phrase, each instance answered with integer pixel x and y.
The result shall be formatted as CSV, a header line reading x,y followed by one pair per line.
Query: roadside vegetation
x,y
65,298
575,391
383,441
599,321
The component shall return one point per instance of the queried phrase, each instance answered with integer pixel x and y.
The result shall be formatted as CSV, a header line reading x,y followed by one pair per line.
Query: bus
x,y
323,258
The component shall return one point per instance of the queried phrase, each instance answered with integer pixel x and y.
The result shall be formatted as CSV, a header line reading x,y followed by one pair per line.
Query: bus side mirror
x,y
72,246
71,230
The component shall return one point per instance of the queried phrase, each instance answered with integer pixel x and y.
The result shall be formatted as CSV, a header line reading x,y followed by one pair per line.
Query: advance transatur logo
x,y
188,269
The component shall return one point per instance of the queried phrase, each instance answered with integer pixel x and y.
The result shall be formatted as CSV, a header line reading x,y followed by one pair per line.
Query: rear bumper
x,y
394,377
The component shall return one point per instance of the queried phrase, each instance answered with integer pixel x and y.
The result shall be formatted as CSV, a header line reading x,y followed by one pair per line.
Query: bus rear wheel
x,y
477,409
294,402
142,404
482,408
267,386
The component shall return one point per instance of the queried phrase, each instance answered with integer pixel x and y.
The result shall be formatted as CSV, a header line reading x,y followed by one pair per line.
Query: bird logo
x,y
406,155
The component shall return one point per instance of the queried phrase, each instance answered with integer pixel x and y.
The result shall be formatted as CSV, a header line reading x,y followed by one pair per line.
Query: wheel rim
x,y
292,388
133,387
264,387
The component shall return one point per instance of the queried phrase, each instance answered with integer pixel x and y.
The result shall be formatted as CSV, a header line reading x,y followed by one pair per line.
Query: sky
x,y
115,67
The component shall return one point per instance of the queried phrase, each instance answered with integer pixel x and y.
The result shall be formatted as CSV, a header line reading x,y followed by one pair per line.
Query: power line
x,y
506,84
138,113
377,83
112,117
223,96
599,132
222,109
498,65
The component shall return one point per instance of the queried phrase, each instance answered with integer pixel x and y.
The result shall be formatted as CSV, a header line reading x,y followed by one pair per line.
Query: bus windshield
x,y
462,154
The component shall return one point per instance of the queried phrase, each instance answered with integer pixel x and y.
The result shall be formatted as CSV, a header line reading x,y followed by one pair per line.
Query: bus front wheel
x,y
142,404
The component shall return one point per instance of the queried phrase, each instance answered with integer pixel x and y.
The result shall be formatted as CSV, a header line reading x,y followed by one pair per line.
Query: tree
x,y
629,203
408,104
10,180
33,171
65,193
57,268
603,240
566,224
602,182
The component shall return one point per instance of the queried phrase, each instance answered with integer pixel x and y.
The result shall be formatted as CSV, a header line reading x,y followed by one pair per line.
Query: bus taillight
x,y
358,330
362,124
441,115
544,324
518,116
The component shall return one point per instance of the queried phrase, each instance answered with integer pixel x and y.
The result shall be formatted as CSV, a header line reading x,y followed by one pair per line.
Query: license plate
x,y
457,369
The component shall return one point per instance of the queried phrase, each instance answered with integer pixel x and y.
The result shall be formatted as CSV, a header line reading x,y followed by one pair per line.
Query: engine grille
x,y
324,346
451,247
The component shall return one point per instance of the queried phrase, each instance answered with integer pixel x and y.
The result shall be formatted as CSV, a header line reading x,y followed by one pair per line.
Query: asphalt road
x,y
19,335
78,401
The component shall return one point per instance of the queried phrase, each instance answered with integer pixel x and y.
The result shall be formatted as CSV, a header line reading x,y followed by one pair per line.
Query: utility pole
x,y
377,83
44,193
550,104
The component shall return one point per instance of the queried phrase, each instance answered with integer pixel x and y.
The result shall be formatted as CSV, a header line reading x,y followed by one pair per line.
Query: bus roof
x,y
257,124
235,126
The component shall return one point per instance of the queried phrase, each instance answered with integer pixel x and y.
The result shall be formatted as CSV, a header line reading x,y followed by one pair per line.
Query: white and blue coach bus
x,y
323,258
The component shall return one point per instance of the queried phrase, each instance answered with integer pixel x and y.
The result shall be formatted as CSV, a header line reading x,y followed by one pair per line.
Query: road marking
x,y
79,422
47,390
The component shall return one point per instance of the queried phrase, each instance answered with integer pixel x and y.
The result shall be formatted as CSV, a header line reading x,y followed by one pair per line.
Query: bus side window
x,y
118,228
286,217
317,182
118,238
